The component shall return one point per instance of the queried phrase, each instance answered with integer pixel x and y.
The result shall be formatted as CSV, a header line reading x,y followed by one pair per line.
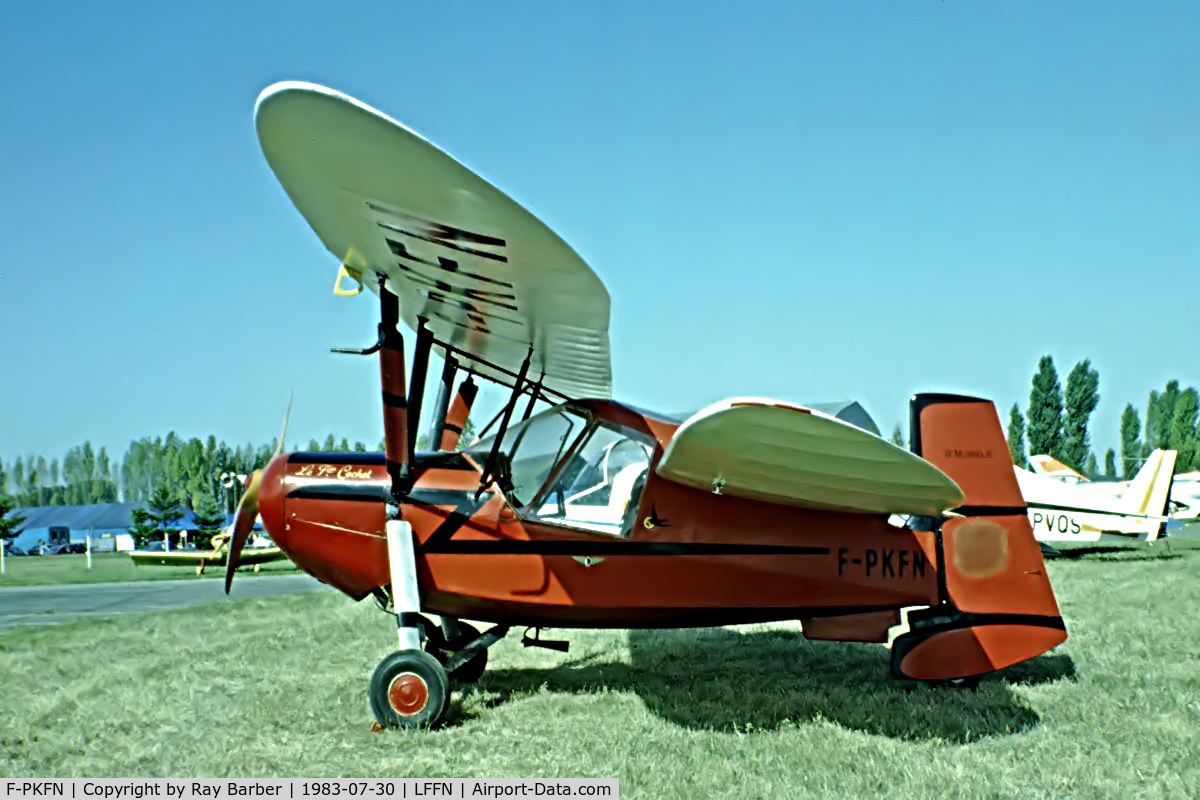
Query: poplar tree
x,y
1183,430
1091,469
1160,412
897,436
1016,436
1082,397
1131,446
1044,418
1110,464
33,482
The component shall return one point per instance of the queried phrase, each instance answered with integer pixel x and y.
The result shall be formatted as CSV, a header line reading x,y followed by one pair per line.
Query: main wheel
x,y
409,690
473,669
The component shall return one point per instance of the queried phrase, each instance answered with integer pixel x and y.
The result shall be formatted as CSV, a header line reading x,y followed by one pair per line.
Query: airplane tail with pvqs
x,y
1091,511
996,606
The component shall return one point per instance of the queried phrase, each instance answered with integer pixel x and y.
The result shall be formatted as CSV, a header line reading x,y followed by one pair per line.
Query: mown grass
x,y
107,568
276,687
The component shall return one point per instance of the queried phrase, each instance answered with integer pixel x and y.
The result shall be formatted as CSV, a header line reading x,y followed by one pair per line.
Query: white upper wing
x,y
488,277
780,453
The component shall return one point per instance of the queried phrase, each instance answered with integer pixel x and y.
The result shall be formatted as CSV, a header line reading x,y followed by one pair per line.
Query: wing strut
x,y
441,406
535,393
419,369
488,475
398,452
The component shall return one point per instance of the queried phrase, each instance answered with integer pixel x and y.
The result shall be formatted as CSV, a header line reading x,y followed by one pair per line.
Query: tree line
x,y
165,475
1055,423
188,469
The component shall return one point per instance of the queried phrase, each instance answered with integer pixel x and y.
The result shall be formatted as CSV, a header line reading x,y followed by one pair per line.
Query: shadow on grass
x,y
1036,671
722,680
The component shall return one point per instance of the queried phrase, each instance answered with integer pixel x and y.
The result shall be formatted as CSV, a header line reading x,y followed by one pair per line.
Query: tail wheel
x,y
409,689
473,669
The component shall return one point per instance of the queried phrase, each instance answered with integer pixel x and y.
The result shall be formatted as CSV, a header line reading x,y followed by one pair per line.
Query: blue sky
x,y
810,201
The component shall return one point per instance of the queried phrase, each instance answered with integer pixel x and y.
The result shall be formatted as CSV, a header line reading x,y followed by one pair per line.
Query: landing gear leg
x,y
410,688
406,600
465,656
456,635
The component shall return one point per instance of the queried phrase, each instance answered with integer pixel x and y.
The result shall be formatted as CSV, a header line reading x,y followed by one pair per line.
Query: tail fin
x,y
997,607
1149,492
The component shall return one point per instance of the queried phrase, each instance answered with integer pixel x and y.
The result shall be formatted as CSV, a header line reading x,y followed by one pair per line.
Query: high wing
x,y
488,278
1051,467
779,453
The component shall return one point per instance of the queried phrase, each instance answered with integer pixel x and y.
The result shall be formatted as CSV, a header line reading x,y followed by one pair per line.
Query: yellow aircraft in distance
x,y
255,555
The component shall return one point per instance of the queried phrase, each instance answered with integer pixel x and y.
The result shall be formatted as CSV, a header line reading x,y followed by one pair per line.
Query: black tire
x,y
409,689
469,672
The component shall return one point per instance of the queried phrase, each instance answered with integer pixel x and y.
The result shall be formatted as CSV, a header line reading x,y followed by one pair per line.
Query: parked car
x,y
65,549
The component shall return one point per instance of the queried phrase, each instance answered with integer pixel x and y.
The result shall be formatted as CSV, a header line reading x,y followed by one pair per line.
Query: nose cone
x,y
270,501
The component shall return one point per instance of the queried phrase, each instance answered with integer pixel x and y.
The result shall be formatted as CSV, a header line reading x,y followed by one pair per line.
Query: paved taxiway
x,y
47,605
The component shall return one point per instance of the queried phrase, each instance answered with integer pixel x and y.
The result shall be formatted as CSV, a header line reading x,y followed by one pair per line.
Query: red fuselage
x,y
689,558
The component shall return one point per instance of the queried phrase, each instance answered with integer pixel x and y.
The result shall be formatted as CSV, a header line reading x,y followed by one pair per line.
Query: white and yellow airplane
x,y
1066,507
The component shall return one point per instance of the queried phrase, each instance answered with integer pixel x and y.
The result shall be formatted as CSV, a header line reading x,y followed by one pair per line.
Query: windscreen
x,y
530,449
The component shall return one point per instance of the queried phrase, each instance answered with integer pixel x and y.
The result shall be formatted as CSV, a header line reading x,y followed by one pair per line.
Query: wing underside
x,y
487,277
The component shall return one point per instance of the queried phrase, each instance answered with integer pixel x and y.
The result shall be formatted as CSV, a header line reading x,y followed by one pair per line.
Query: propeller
x,y
247,508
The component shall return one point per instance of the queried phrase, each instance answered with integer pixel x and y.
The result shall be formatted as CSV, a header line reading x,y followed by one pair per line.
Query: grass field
x,y
276,687
106,568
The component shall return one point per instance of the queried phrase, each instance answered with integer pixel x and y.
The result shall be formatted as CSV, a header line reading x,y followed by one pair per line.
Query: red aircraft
x,y
594,514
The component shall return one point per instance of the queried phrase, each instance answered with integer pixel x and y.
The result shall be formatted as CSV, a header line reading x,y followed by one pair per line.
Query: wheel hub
x,y
408,694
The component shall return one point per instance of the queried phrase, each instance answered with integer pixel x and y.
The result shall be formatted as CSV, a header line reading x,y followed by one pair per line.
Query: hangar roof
x,y
104,516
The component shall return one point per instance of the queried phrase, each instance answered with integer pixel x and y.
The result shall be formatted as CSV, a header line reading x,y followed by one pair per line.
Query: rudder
x,y
996,606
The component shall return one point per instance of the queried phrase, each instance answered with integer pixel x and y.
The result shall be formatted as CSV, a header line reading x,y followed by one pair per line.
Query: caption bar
x,y
299,789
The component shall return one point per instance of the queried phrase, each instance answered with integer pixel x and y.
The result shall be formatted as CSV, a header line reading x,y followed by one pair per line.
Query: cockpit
x,y
565,466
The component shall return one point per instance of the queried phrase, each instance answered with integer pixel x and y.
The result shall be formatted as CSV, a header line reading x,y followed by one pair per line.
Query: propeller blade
x,y
247,510
283,433
243,523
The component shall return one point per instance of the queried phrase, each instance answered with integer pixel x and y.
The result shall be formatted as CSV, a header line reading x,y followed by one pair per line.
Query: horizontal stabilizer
x,y
778,453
